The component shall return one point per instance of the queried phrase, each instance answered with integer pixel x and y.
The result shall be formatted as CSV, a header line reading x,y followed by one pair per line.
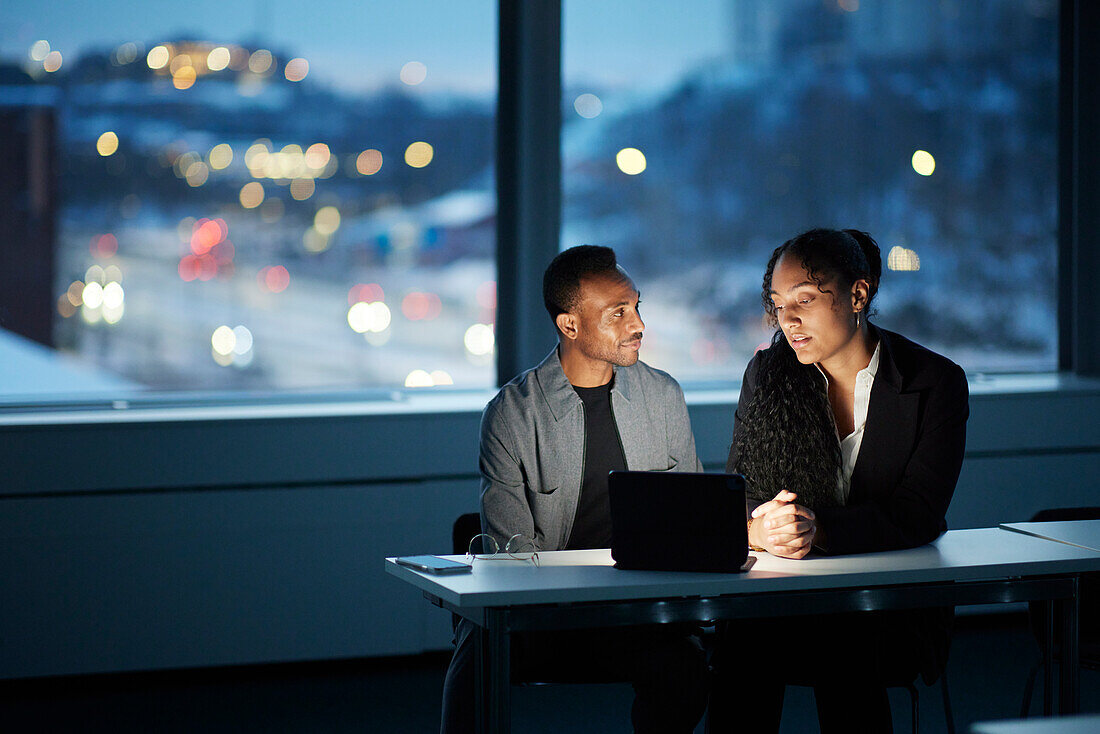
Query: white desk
x,y
1059,725
580,589
1082,533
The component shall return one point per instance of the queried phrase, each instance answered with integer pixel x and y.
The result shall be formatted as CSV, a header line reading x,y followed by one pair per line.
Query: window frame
x,y
363,442
1079,182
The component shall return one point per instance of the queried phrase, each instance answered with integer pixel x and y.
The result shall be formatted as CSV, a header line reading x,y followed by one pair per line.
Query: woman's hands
x,y
782,527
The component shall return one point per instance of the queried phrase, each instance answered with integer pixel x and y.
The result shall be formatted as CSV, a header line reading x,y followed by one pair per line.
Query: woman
x,y
851,439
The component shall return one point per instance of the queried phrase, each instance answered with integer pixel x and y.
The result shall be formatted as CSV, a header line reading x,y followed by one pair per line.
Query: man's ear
x,y
567,325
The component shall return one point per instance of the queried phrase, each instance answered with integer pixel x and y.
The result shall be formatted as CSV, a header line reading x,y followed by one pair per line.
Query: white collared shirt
x,y
849,445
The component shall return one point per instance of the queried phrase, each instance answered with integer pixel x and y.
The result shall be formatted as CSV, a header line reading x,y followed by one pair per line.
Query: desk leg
x,y
481,700
1070,694
499,659
1050,608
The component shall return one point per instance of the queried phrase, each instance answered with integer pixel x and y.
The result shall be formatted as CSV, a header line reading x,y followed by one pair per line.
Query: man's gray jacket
x,y
532,446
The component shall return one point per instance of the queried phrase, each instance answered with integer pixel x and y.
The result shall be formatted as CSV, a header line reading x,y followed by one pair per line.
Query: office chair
x,y
907,679
1088,614
914,700
466,527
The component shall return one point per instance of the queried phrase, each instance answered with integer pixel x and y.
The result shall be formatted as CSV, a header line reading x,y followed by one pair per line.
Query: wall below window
x,y
180,579
178,542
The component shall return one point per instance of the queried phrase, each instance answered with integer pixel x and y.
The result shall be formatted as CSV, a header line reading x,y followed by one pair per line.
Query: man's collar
x,y
560,396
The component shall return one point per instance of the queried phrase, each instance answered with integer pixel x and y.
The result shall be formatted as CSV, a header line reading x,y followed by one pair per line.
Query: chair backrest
x,y
466,527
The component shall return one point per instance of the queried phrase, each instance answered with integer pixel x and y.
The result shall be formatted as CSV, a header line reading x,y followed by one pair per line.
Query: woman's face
x,y
818,326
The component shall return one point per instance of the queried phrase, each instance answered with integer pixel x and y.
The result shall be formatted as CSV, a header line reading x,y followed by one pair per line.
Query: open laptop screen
x,y
674,521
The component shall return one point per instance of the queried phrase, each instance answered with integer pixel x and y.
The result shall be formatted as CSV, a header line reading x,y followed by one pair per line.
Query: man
x,y
548,440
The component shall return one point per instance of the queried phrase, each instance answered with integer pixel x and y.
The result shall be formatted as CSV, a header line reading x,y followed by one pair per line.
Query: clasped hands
x,y
783,528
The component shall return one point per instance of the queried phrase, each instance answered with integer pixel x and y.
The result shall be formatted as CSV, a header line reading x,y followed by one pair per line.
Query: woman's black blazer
x,y
911,453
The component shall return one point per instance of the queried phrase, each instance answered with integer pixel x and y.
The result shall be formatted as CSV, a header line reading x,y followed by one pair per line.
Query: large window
x,y
264,199
699,136
254,197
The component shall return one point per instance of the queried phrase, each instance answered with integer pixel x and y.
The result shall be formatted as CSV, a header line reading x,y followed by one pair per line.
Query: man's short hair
x,y
561,283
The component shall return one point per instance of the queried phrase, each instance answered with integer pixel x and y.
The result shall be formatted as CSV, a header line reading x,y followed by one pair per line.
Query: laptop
x,y
673,521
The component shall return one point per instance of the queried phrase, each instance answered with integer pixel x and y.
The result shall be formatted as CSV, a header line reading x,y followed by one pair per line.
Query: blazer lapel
x,y
889,433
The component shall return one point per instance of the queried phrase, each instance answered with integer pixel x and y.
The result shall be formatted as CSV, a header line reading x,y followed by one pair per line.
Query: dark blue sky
x,y
358,44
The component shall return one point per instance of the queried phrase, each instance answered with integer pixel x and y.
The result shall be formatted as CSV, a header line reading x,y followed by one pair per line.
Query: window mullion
x,y
528,177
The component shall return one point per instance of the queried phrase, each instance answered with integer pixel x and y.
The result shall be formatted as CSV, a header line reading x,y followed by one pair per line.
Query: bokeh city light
x,y
252,194
369,162
367,292
158,57
104,246
302,188
260,61
274,278
218,58
413,73
902,259
630,161
52,62
372,317
107,144
588,105
220,156
315,241
296,70
418,306
923,163
127,53
479,340
327,220
39,50
419,154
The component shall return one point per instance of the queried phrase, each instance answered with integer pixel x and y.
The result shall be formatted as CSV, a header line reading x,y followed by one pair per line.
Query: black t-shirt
x,y
603,453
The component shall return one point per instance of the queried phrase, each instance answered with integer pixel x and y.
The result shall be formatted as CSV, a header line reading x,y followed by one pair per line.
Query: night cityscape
x,y
229,221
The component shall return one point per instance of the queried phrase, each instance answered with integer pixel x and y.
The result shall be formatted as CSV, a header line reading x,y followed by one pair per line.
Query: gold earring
x,y
857,320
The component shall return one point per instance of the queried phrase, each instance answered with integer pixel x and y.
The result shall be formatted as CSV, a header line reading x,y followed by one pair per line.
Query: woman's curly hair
x,y
786,436
840,255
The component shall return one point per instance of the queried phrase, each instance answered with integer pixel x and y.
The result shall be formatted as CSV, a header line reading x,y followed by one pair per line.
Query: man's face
x,y
609,327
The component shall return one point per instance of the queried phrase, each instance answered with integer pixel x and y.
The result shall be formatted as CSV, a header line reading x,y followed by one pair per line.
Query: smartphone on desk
x,y
434,564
